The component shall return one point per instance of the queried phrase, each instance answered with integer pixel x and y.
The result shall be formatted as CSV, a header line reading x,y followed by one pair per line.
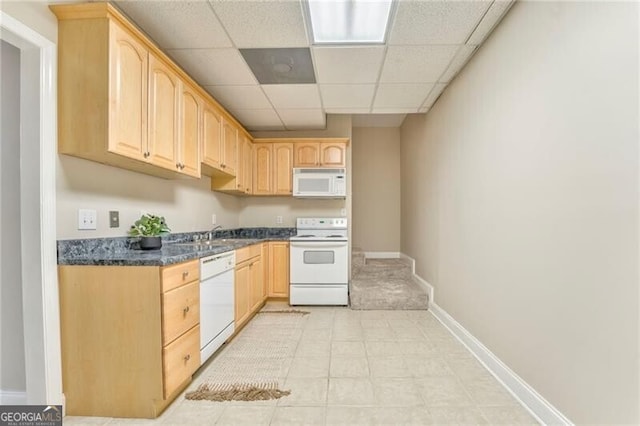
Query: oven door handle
x,y
319,244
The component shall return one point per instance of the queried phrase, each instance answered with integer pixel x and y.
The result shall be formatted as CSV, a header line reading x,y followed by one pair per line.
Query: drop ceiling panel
x,y
393,110
348,64
296,119
423,22
177,24
416,64
331,110
347,95
263,23
240,97
214,66
259,119
433,96
377,120
401,95
493,16
458,62
287,96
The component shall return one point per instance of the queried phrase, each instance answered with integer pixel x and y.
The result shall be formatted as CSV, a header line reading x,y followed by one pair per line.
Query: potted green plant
x,y
149,228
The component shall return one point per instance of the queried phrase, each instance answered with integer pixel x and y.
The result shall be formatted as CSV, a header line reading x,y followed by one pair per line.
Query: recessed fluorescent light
x,y
349,21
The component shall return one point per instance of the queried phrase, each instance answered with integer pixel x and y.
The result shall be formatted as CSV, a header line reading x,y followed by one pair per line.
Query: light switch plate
x,y
87,219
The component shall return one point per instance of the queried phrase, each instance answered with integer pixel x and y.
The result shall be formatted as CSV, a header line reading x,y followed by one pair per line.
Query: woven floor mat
x,y
254,364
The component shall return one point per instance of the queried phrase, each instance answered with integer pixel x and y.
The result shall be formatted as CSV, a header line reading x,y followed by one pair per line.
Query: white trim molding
x,y
382,255
13,398
539,407
38,65
428,287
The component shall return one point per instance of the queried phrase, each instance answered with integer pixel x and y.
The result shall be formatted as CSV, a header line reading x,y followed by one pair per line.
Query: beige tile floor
x,y
358,367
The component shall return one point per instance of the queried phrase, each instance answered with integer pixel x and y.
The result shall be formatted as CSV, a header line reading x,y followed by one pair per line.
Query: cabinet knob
x,y
185,274
177,165
145,155
185,311
187,357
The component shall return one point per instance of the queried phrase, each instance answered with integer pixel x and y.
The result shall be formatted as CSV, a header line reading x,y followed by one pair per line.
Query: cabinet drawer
x,y
176,275
180,360
248,252
180,311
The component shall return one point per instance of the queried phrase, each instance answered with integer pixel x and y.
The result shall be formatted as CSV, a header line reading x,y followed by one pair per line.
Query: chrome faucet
x,y
213,230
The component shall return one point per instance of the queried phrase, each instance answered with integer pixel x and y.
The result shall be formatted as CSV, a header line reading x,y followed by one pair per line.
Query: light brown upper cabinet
x,y
164,92
262,170
190,135
319,154
127,104
241,181
273,168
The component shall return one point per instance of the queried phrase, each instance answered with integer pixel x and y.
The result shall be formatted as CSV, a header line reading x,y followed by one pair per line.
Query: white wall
x,y
186,204
376,194
520,202
12,350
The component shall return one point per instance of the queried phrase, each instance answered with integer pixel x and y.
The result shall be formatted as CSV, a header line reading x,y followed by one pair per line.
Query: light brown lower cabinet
x,y
130,337
278,269
249,283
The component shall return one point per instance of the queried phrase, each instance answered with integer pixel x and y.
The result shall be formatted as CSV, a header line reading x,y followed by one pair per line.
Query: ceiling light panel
x,y
348,64
283,96
347,95
253,24
436,22
416,64
349,21
177,24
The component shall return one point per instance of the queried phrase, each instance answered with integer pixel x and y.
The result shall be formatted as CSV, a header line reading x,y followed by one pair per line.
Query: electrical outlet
x,y
279,220
87,219
114,219
213,219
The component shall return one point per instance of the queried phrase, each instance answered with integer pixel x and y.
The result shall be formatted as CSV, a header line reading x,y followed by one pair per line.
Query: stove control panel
x,y
321,223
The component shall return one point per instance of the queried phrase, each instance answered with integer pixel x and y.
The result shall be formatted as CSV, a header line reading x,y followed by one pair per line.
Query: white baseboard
x,y
539,407
381,255
428,287
13,398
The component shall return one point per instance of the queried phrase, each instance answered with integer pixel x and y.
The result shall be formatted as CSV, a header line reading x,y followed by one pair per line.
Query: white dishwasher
x,y
216,302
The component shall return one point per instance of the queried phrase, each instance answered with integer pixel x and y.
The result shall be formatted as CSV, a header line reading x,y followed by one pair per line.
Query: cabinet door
x,y
229,161
247,169
242,279
265,270
332,154
211,137
282,168
128,77
262,168
189,158
257,282
163,114
279,269
306,154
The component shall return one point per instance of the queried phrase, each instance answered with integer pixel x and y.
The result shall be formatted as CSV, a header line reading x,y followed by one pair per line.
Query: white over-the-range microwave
x,y
319,183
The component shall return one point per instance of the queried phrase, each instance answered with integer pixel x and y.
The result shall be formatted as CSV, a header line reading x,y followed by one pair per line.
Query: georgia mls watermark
x,y
30,415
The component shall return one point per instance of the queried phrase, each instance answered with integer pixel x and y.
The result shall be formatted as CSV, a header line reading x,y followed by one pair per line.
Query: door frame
x,y
38,142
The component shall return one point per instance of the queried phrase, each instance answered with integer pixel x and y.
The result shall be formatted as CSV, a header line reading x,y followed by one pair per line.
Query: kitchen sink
x,y
206,243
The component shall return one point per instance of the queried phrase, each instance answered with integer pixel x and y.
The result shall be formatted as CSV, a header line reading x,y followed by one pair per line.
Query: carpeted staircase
x,y
386,284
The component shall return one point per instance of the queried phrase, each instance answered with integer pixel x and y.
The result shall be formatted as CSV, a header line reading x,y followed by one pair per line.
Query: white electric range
x,y
319,262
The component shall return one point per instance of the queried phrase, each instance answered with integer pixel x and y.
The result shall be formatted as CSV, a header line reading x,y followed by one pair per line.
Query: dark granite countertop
x,y
125,251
